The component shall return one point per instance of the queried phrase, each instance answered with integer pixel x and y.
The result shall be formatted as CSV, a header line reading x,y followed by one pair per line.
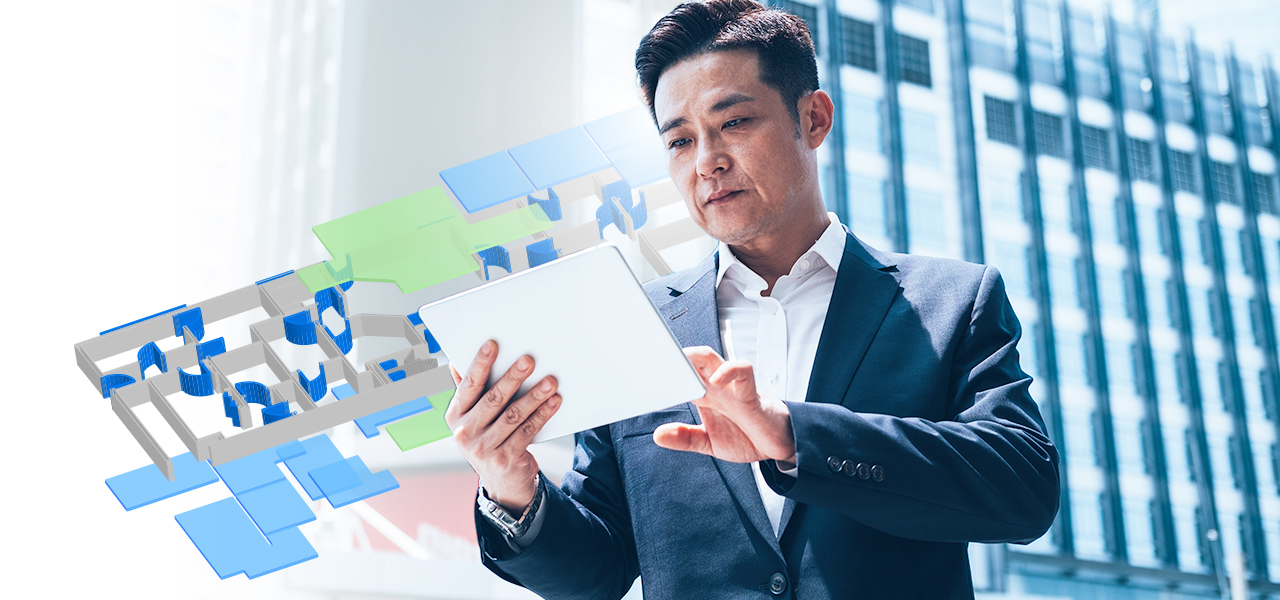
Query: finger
x,y
683,437
704,360
523,435
471,386
495,399
519,411
736,375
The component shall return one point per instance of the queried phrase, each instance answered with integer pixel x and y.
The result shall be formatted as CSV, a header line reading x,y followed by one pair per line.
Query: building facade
x,y
1124,183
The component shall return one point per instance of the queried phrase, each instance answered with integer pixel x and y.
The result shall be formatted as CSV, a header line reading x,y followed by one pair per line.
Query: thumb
x,y
682,437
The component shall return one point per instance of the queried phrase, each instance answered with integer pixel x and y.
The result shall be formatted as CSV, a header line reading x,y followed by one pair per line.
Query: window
x,y
1142,160
924,218
1103,215
1264,188
920,5
1001,125
861,122
1192,252
1050,140
810,16
913,57
1139,522
1097,147
1223,176
859,43
1166,371
1062,280
920,138
1232,258
1111,291
1242,320
1086,516
1182,168
1001,194
1201,317
1157,304
1011,260
1149,232
866,205
1120,368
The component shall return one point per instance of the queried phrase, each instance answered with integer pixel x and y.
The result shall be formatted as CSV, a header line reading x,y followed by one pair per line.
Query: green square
x,y
422,429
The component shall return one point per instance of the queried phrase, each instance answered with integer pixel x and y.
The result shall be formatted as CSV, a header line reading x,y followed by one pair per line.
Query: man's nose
x,y
712,157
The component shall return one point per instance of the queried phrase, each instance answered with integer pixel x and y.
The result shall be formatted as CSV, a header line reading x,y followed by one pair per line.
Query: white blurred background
x,y
155,153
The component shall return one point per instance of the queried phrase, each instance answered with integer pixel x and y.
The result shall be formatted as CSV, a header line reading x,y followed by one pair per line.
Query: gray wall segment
x,y
323,417
171,417
140,433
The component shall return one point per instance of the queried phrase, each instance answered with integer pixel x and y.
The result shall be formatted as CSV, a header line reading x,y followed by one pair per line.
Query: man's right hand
x,y
494,431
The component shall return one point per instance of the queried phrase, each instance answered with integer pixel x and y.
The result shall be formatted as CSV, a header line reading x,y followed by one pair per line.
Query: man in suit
x,y
870,419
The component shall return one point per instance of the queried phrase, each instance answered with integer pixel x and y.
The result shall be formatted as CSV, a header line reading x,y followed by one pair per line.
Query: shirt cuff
x,y
792,472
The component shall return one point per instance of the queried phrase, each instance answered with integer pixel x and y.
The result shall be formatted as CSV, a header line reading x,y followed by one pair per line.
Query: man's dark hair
x,y
781,41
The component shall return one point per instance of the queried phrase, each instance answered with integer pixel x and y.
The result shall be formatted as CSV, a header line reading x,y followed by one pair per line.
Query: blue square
x,y
334,478
290,450
229,541
320,451
276,506
559,158
487,181
640,162
618,130
371,484
250,472
146,485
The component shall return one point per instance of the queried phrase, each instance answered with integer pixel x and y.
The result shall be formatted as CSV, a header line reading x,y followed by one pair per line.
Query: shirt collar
x,y
830,246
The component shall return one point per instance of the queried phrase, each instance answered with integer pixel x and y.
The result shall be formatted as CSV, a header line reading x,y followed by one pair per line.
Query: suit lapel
x,y
859,303
692,315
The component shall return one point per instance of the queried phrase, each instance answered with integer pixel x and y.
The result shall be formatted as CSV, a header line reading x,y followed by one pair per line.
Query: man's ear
x,y
816,113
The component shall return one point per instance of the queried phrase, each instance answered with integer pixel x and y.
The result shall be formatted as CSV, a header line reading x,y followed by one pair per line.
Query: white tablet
x,y
584,319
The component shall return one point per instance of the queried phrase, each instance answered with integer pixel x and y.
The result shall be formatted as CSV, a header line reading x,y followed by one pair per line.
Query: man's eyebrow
x,y
730,101
672,124
721,106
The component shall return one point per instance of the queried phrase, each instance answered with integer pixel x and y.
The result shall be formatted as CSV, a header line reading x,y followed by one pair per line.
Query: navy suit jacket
x,y
917,435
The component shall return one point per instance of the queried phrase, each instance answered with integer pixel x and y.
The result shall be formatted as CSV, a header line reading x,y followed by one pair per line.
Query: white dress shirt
x,y
778,334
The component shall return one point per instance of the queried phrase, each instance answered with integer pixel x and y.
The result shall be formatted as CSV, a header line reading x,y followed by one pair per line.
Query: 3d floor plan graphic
x,y
414,242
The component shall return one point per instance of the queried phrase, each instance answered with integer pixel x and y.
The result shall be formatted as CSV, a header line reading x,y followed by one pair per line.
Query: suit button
x,y
864,471
877,473
834,463
849,468
778,584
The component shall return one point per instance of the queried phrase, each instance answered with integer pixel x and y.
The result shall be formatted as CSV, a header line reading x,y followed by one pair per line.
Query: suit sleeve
x,y
987,473
586,548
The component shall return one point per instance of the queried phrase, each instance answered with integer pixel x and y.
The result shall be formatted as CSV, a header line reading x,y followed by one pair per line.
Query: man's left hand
x,y
738,423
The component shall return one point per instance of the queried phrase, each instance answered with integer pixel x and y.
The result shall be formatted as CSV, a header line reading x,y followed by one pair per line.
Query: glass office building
x,y
1124,182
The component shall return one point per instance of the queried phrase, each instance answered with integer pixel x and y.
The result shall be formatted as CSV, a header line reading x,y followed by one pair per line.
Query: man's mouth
x,y
721,196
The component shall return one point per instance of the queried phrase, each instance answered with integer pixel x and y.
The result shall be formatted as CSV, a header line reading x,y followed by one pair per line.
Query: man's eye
x,y
735,122
678,143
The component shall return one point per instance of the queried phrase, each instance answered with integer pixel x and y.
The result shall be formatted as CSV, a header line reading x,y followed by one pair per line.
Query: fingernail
x,y
546,385
554,400
487,348
524,363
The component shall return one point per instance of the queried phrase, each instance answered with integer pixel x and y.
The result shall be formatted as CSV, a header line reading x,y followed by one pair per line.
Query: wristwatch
x,y
512,526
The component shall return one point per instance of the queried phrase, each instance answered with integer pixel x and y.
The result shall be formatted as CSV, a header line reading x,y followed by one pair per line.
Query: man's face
x,y
732,147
